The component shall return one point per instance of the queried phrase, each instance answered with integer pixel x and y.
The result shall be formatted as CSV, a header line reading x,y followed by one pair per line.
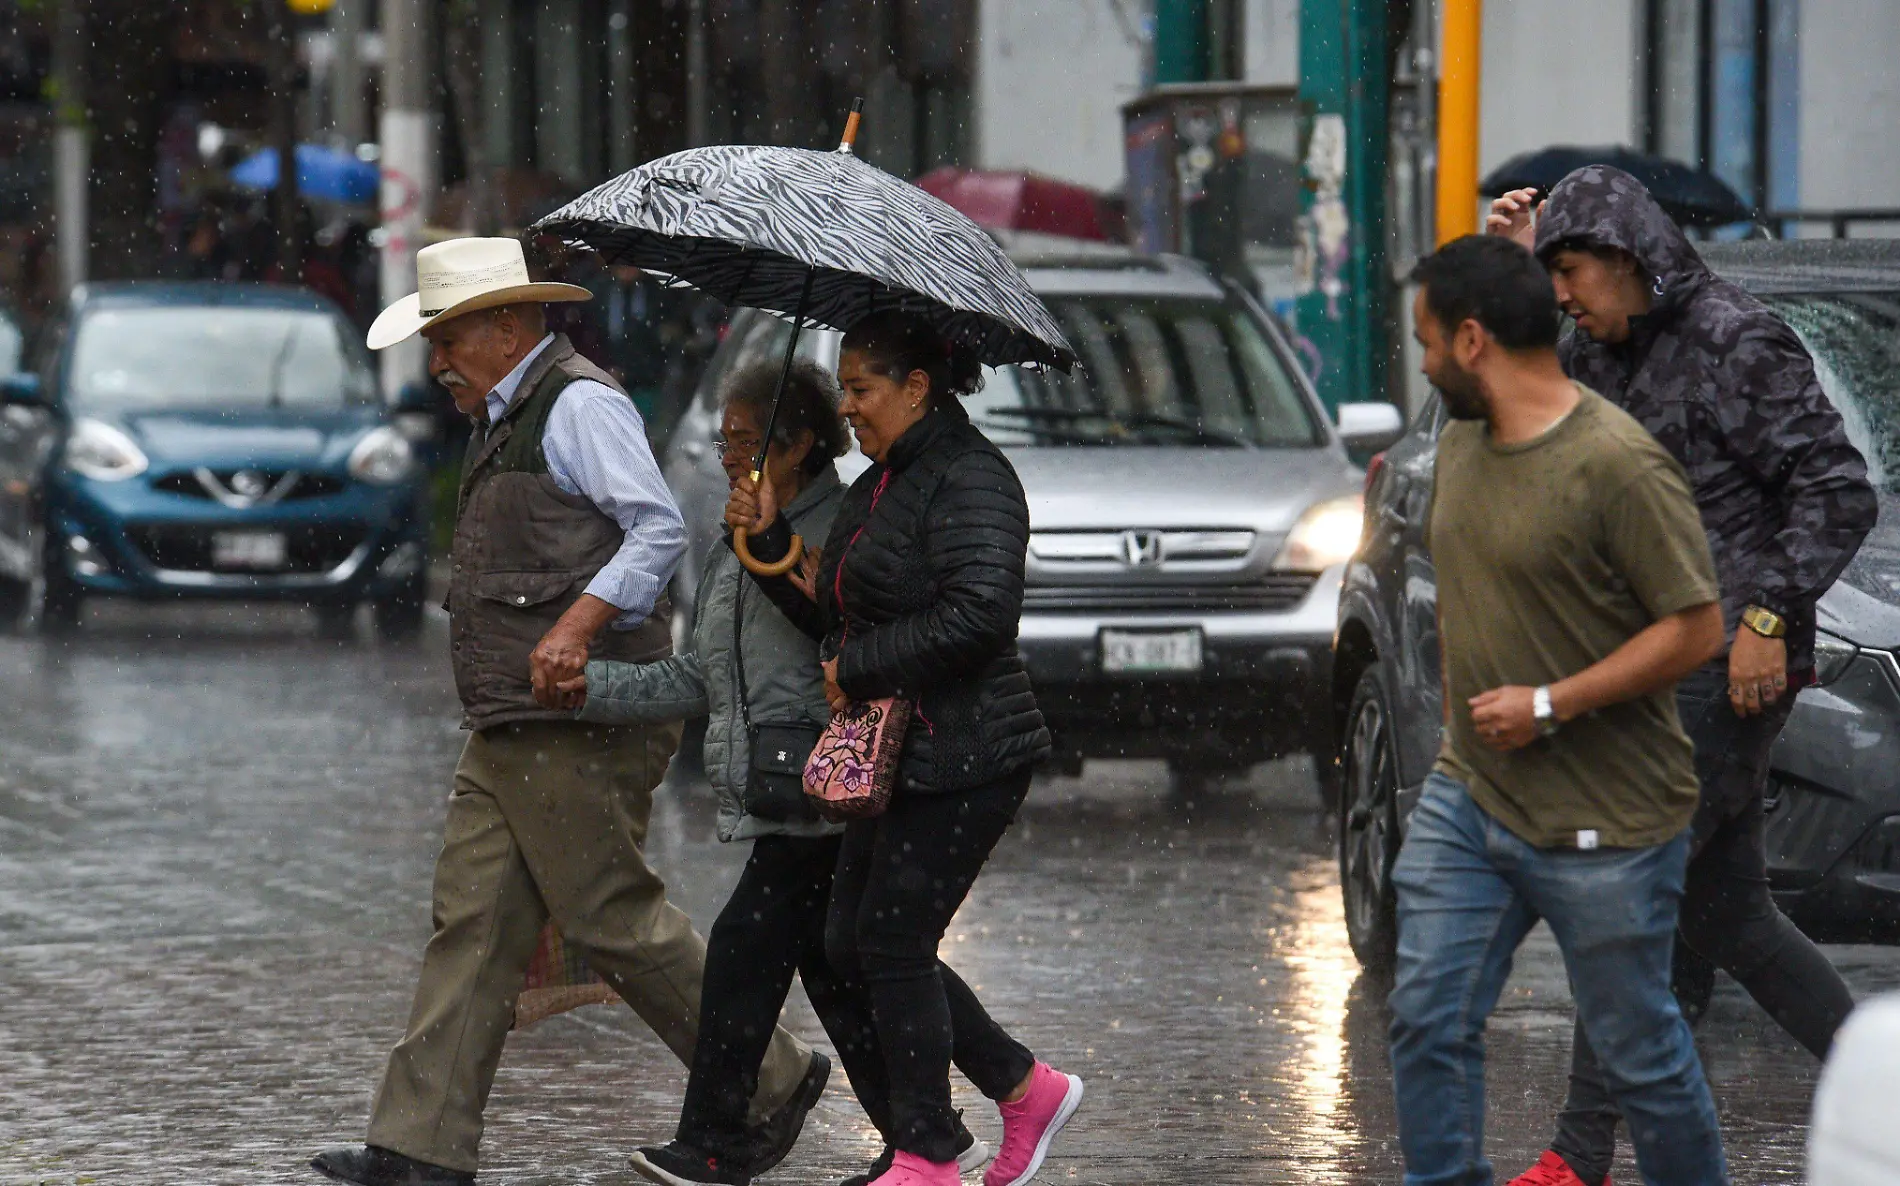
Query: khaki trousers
x,y
547,819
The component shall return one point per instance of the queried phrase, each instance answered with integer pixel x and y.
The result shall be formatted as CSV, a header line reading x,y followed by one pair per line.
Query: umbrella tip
x,y
851,125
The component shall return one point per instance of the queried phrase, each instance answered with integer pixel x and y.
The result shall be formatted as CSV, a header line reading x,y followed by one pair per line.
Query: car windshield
x,y
1855,340
140,359
1154,372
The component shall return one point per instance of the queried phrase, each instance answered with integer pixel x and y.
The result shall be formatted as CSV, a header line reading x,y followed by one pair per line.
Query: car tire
x,y
62,601
16,602
1188,785
398,616
336,623
1368,825
1192,780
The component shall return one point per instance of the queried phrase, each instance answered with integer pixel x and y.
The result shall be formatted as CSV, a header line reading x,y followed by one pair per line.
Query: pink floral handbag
x,y
853,768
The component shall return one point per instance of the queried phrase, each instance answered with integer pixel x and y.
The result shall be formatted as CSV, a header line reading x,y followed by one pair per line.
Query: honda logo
x,y
1141,549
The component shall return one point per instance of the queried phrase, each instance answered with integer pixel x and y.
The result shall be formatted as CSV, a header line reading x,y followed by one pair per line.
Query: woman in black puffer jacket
x,y
916,594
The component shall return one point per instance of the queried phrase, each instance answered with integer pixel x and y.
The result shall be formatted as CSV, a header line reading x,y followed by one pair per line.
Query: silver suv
x,y
1191,509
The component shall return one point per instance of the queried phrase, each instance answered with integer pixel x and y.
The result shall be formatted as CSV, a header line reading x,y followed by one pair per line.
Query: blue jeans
x,y
1468,892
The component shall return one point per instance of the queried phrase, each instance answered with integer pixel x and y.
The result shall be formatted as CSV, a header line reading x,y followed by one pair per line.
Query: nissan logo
x,y
248,483
1141,549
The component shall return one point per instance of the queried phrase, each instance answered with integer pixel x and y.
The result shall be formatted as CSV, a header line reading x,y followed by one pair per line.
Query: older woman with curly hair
x,y
753,674
917,596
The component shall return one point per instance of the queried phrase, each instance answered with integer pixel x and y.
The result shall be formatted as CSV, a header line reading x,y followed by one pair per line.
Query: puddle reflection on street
x,y
216,837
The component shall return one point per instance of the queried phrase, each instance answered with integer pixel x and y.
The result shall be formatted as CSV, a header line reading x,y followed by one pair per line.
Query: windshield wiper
x,y
277,366
1201,433
1052,413
1062,436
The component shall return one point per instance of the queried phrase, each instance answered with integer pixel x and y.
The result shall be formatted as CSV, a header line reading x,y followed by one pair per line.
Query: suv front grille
x,y
302,485
1277,591
188,549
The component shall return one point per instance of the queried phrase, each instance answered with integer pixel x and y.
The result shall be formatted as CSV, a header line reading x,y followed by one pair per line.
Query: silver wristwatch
x,y
1542,712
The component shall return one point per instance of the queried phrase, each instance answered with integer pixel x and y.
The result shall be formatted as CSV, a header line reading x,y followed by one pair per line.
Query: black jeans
x,y
901,878
772,926
1727,913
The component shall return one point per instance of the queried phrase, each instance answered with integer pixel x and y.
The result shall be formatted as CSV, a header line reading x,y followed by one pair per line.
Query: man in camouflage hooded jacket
x,y
1726,386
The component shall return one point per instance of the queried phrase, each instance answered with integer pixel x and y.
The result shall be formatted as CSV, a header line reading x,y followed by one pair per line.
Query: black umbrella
x,y
820,237
1691,196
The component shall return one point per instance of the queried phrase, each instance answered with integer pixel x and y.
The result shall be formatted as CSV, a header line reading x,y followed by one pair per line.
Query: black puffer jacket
x,y
1730,391
932,546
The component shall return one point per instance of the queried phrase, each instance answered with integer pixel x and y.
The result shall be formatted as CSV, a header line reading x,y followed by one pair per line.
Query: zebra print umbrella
x,y
757,225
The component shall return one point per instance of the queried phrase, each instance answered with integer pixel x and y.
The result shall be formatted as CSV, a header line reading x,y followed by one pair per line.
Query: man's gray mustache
x,y
451,379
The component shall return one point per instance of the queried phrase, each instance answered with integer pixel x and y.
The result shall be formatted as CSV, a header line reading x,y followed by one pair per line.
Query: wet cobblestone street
x,y
216,837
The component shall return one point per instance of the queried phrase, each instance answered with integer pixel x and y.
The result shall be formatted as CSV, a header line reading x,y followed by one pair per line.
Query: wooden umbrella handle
x,y
761,568
850,138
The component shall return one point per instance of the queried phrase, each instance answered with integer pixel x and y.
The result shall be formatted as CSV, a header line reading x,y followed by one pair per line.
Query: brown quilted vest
x,y
524,552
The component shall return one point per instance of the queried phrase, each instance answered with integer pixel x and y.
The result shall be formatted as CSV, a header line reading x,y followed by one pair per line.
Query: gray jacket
x,y
783,679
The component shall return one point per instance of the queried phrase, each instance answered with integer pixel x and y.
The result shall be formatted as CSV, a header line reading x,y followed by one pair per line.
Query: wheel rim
x,y
1365,839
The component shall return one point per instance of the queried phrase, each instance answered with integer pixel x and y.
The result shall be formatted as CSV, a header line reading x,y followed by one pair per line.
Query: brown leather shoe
x,y
372,1165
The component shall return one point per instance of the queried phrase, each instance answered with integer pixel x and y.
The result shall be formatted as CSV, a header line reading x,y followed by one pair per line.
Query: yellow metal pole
x,y
1459,73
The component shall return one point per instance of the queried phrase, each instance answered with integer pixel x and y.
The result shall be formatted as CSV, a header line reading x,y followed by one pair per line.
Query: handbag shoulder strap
x,y
837,576
738,648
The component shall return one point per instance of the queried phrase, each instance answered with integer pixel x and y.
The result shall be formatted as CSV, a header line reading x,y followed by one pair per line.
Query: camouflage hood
x,y
1606,207
1726,386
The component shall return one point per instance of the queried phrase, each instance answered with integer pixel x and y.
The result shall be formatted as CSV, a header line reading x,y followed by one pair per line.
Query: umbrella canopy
x,y
1690,196
785,229
1016,201
321,173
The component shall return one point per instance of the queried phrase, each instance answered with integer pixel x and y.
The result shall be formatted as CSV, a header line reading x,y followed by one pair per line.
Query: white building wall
x,y
1051,76
1850,106
1271,40
1559,72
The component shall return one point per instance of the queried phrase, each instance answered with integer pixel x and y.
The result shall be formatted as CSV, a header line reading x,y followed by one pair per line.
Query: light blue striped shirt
x,y
596,446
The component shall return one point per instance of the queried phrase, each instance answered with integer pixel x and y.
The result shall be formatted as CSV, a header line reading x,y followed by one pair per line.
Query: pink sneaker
x,y
1030,1125
908,1169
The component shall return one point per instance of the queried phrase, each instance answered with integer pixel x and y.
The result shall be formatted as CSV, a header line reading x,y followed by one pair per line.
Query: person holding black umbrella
x,y
756,679
1726,386
919,588
916,596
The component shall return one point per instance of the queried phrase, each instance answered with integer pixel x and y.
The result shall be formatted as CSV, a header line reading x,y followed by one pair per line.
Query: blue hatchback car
x,y
213,440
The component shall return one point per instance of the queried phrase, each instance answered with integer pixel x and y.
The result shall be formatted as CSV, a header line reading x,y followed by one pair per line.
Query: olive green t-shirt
x,y
1552,553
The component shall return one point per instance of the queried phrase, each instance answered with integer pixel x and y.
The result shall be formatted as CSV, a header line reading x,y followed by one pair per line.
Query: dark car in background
x,y
1833,822
208,440
1191,506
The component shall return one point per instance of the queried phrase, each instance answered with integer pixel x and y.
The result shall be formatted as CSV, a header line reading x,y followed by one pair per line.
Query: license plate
x,y
1150,652
249,549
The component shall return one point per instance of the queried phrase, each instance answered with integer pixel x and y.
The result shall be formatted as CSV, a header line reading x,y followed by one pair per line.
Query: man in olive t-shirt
x,y
1575,588
1551,553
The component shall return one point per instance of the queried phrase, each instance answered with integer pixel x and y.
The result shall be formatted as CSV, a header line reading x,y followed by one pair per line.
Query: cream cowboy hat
x,y
461,276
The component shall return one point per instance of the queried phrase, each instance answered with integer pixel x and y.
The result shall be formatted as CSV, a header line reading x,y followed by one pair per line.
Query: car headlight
x,y
98,450
382,458
1831,656
1327,534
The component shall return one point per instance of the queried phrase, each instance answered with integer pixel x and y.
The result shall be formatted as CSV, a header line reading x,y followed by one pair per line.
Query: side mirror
x,y
416,397
416,414
1370,427
22,390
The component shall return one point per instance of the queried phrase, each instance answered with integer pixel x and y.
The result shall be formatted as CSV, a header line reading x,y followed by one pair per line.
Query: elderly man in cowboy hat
x,y
565,537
